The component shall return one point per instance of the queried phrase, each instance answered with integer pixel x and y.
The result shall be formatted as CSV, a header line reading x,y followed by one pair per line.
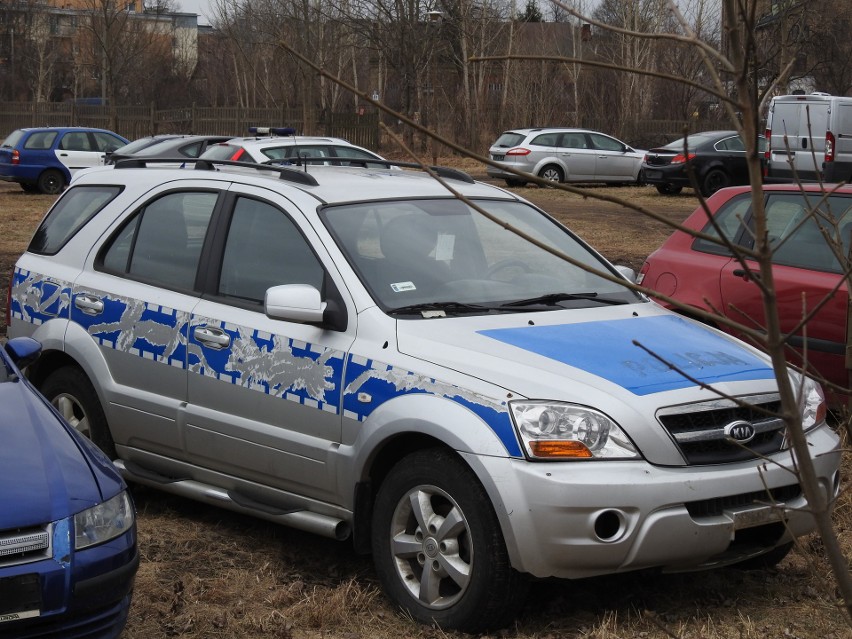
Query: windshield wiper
x,y
553,299
454,307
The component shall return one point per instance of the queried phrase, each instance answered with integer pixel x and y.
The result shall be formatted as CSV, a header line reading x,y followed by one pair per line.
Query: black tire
x,y
714,180
72,394
483,592
51,182
551,173
669,189
514,182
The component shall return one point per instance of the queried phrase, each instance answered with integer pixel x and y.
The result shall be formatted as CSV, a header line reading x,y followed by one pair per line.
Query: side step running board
x,y
315,523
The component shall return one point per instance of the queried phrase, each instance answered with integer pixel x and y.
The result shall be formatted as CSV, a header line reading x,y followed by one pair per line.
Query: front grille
x,y
23,546
717,505
699,430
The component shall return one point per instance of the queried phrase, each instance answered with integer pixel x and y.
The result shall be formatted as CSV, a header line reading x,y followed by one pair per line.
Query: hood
x,y
631,352
44,474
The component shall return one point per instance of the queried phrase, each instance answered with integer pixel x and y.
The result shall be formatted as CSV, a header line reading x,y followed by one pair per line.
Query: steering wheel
x,y
512,262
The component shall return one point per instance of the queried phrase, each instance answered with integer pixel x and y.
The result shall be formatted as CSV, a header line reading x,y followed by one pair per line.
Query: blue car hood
x,y
47,471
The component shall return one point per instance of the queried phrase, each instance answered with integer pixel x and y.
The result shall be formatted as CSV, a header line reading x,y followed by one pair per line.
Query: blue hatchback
x,y
44,159
68,553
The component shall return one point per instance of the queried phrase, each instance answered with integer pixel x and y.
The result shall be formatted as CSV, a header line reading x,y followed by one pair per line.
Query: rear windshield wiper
x,y
553,299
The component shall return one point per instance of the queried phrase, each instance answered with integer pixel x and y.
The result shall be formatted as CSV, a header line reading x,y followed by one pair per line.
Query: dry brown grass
x,y
206,572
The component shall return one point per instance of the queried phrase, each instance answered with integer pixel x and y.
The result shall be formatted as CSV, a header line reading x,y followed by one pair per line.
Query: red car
x,y
808,253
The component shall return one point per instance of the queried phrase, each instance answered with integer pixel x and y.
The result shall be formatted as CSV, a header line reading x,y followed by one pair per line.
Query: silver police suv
x,y
404,361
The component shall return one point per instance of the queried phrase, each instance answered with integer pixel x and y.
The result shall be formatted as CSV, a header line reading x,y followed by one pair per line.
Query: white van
x,y
818,130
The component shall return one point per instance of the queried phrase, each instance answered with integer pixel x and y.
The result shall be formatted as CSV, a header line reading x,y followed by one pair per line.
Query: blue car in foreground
x,y
68,553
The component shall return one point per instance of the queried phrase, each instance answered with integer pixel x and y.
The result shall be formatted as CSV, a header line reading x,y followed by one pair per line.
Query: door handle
x,y
212,337
746,275
89,304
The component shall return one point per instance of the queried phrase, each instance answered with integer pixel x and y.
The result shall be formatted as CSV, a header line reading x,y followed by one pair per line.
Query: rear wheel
x,y
669,189
514,182
72,394
51,182
716,179
551,173
438,548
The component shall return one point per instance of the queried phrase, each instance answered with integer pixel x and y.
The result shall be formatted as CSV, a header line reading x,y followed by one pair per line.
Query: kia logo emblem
x,y
740,431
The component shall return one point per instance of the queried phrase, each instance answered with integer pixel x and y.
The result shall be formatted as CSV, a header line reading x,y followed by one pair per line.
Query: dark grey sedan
x,y
716,159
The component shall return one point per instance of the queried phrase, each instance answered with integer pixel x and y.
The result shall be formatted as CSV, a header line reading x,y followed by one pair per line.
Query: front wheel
x,y
438,548
72,394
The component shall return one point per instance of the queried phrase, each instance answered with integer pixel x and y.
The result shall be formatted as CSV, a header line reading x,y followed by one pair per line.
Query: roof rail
x,y
284,173
441,171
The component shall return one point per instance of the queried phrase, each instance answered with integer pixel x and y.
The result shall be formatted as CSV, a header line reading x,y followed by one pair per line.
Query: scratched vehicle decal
x,y
378,382
272,364
37,299
672,353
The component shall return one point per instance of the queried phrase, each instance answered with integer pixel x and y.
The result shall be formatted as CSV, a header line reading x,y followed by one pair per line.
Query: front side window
x,y
440,251
76,207
106,142
265,248
730,219
162,242
809,232
604,143
76,141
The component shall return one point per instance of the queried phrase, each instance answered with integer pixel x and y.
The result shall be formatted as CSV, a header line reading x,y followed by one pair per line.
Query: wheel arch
x,y
391,435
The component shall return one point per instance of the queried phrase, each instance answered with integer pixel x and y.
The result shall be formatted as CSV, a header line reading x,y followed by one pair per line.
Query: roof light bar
x,y
271,130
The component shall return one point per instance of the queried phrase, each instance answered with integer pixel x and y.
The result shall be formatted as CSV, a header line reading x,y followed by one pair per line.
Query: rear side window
x,y
73,210
40,140
162,242
547,139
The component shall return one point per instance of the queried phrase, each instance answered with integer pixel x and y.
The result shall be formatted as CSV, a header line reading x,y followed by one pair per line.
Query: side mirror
x,y
23,351
628,273
296,303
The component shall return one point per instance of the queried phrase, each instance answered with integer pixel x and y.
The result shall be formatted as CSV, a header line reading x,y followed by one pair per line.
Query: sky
x,y
201,7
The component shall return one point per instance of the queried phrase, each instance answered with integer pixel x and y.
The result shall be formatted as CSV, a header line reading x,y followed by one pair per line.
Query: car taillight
x,y
16,157
768,144
680,158
236,156
518,151
829,146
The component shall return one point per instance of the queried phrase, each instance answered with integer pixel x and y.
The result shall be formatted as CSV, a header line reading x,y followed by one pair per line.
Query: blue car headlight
x,y
103,522
554,430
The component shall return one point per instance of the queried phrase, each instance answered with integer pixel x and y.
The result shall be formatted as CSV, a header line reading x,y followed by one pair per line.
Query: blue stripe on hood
x,y
606,349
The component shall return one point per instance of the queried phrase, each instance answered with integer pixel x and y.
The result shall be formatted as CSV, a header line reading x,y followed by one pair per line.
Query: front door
x,y
265,394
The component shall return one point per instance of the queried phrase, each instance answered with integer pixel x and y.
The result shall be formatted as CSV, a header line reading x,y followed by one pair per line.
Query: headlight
x,y
811,403
103,522
552,430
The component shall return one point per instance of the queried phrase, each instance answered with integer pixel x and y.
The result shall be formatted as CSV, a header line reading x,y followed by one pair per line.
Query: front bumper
x,y
581,519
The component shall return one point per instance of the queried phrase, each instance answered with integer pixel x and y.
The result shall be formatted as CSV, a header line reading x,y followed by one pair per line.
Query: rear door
x,y
577,154
135,301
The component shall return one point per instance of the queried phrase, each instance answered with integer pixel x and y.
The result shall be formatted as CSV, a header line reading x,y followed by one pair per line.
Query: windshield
x,y
443,252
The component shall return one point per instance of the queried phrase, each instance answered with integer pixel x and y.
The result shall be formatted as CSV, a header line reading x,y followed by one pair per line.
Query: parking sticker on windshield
x,y
401,287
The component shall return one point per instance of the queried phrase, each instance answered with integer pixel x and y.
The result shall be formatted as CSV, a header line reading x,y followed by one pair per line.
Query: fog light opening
x,y
609,525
